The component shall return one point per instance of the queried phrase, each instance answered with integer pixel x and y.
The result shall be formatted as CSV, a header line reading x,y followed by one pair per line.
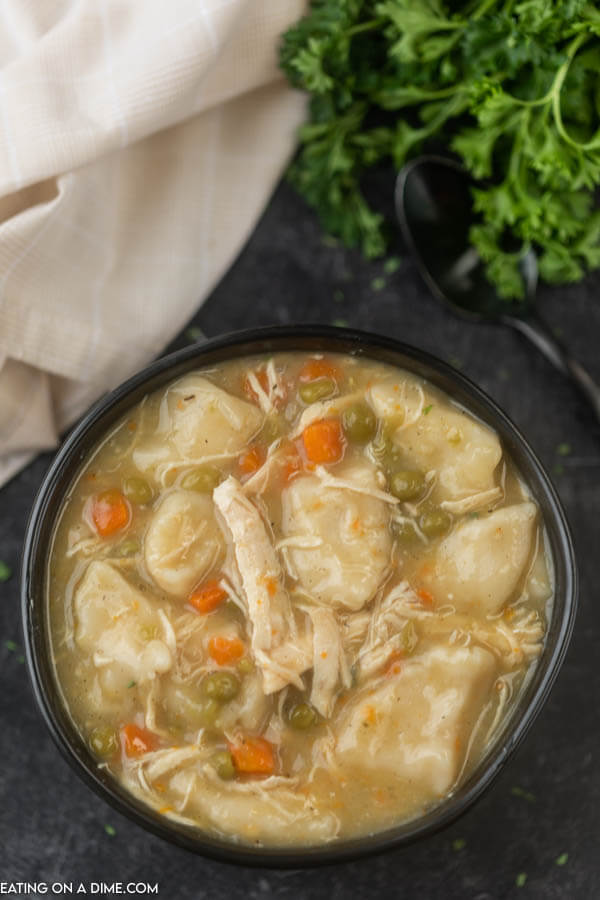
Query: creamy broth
x,y
293,599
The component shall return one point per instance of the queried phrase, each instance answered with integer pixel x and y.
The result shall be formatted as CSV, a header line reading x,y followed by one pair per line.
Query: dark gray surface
x,y
52,828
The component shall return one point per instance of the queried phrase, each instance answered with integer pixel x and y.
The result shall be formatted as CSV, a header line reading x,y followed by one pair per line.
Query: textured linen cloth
x,y
139,142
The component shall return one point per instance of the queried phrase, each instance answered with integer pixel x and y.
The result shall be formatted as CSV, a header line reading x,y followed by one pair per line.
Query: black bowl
x,y
305,338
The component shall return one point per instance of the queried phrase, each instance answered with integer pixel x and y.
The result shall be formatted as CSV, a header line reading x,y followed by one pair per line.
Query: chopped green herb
x,y
391,265
10,645
563,449
558,469
562,859
473,515
20,658
458,844
132,684
194,333
427,409
510,87
110,830
521,879
5,571
338,295
378,284
340,323
455,362
517,791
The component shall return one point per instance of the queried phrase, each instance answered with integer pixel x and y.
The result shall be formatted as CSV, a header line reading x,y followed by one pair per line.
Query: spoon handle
x,y
537,332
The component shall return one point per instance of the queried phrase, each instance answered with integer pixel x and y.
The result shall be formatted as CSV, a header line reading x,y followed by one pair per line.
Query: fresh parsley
x,y
509,86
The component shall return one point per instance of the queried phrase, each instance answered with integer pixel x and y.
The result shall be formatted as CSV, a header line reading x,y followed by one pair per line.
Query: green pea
x,y
221,686
222,763
360,423
138,490
129,547
319,389
435,522
104,741
204,479
302,716
407,485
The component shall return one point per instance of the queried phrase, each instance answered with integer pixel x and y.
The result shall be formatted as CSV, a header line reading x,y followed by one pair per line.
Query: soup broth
x,y
293,599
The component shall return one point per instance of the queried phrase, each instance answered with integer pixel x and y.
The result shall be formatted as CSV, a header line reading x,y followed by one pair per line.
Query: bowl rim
x,y
251,342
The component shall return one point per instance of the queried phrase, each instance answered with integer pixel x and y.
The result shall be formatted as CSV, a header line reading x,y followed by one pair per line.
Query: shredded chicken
x,y
152,696
388,632
264,400
474,502
258,481
324,409
276,386
391,401
160,762
330,668
268,607
348,484
514,642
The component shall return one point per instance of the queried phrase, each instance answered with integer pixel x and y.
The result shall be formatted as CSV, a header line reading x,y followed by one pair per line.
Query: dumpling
x,y
463,452
198,420
415,727
206,420
478,566
112,623
183,541
261,811
344,543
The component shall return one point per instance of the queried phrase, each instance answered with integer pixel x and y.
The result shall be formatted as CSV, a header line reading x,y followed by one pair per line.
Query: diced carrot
x,y
137,741
253,756
251,460
319,368
262,379
324,441
207,597
425,597
291,463
110,512
225,650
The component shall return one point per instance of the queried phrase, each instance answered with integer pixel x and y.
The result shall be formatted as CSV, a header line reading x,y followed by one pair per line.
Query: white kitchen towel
x,y
139,143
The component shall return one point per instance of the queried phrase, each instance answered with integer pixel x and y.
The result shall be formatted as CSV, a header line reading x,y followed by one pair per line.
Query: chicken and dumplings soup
x,y
293,599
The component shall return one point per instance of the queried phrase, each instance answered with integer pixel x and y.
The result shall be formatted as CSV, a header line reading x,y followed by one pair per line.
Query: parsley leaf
x,y
511,88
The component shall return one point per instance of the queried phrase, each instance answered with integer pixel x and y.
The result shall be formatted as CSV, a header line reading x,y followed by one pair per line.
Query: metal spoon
x,y
434,206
